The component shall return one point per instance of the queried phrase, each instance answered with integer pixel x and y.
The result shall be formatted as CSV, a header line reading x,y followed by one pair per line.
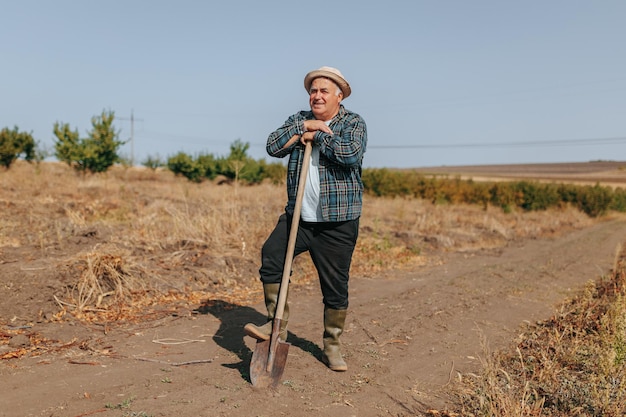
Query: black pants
x,y
330,244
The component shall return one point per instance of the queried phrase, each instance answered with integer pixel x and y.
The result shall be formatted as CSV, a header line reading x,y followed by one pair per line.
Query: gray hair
x,y
337,88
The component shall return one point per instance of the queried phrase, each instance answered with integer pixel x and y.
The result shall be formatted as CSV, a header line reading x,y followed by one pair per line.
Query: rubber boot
x,y
264,332
334,321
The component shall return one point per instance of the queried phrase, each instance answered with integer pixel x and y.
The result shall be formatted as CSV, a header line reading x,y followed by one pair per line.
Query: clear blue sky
x,y
439,82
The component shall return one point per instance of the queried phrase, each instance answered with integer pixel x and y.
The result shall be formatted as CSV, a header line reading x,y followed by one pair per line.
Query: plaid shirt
x,y
341,156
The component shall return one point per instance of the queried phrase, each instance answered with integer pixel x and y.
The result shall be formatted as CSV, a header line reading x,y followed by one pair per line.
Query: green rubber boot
x,y
264,332
334,321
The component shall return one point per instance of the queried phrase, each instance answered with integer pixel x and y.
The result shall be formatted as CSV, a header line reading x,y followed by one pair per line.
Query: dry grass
x,y
570,365
104,273
117,239
117,236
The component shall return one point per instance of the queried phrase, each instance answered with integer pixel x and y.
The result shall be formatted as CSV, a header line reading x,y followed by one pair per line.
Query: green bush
x,y
240,167
237,166
383,182
249,171
476,193
14,144
185,165
275,172
618,203
535,196
527,195
595,201
152,162
569,193
95,153
503,195
209,166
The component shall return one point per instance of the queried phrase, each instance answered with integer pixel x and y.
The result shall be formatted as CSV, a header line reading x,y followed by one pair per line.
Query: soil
x,y
408,335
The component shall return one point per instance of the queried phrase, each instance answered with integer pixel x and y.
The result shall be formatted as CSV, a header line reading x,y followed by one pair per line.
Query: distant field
x,y
610,173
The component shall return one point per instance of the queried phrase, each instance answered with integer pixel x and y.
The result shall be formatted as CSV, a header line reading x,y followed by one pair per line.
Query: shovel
x,y
270,356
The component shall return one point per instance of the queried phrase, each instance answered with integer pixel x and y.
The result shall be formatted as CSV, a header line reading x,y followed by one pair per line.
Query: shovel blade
x,y
260,375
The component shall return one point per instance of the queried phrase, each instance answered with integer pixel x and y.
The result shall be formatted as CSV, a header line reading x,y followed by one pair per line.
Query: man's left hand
x,y
315,125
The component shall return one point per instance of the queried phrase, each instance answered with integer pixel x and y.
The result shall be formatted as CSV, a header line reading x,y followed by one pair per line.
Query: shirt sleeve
x,y
276,141
348,143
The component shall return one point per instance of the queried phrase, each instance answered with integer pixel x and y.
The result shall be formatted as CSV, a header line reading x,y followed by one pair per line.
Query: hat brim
x,y
343,84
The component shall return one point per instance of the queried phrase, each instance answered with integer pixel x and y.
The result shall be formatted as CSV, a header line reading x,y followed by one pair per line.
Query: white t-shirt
x,y
311,207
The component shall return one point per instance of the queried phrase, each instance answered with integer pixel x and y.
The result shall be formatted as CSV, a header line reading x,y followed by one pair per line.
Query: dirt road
x,y
407,334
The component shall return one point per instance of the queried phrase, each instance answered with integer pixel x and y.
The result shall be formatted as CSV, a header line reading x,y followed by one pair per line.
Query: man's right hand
x,y
307,137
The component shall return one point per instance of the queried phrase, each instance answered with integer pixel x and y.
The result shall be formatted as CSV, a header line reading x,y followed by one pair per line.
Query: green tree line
x,y
594,200
237,166
99,150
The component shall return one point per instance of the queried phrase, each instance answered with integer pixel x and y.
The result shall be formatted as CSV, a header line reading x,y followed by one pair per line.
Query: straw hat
x,y
331,73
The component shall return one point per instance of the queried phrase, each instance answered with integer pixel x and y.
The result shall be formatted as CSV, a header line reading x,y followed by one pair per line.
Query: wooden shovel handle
x,y
293,233
291,246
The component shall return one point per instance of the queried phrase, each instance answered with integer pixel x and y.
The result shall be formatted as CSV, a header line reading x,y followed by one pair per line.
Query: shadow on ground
x,y
230,335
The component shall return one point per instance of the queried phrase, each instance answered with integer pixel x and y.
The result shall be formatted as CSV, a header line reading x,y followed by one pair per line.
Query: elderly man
x,y
329,221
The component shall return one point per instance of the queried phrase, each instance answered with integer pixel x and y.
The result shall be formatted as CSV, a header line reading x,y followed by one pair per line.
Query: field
x,y
125,294
609,173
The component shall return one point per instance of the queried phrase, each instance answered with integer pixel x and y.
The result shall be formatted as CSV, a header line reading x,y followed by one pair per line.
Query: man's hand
x,y
315,125
307,137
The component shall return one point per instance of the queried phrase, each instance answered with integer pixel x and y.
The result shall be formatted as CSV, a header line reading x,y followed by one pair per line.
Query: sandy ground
x,y
408,335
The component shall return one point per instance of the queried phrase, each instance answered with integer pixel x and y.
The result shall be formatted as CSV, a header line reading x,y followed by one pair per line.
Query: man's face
x,y
323,99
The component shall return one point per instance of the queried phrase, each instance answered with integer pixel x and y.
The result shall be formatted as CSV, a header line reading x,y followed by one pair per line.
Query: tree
x,y
14,143
95,153
238,151
237,159
68,147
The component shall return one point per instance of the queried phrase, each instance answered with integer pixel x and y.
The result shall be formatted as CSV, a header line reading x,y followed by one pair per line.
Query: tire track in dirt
x,y
443,313
409,334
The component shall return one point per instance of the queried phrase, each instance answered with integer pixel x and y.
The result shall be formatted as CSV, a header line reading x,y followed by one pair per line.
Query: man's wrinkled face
x,y
323,98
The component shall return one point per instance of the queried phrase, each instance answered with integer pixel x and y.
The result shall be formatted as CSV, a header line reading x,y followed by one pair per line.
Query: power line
x,y
192,139
563,142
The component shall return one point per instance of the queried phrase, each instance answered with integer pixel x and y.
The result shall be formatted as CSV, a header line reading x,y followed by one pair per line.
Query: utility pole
x,y
132,138
132,135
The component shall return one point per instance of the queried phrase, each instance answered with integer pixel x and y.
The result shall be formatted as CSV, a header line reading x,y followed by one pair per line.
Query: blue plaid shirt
x,y
341,157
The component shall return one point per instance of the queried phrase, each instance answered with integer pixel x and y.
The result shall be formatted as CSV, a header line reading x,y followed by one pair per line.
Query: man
x,y
331,208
